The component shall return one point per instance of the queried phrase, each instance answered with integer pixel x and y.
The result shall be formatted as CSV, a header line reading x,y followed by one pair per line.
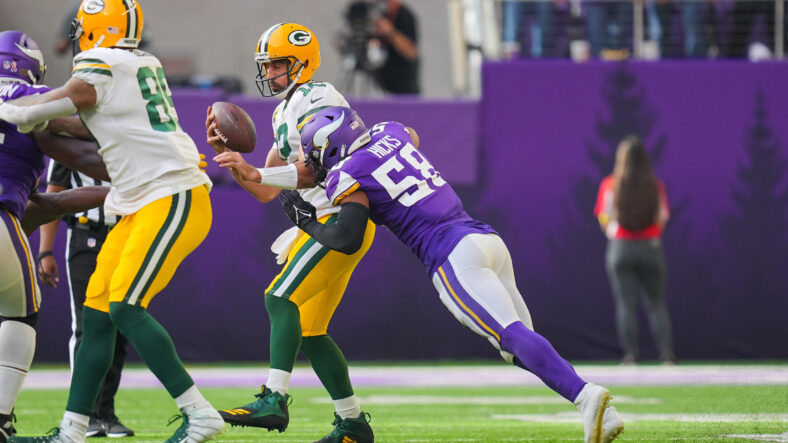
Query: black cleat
x,y
7,426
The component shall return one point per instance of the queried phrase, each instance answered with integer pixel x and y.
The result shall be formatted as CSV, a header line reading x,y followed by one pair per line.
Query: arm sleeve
x,y
347,234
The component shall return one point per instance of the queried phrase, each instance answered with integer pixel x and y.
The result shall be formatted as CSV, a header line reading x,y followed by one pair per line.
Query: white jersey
x,y
148,155
287,121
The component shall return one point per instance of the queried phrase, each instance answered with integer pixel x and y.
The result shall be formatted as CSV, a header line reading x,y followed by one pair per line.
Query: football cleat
x,y
198,425
612,425
54,437
350,430
116,429
7,426
592,402
268,411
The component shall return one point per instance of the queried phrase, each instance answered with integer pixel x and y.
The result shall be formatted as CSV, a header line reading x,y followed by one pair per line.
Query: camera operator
x,y
389,51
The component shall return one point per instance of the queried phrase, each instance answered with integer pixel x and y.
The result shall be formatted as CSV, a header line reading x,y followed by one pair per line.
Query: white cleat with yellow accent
x,y
592,402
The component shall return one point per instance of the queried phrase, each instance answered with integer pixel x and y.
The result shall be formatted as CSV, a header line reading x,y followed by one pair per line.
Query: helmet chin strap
x,y
283,93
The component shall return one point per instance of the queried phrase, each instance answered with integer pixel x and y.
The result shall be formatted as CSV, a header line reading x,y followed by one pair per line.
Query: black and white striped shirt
x,y
60,175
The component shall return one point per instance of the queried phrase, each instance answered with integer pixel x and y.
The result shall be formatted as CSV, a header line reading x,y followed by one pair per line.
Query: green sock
x,y
93,359
285,332
329,365
154,346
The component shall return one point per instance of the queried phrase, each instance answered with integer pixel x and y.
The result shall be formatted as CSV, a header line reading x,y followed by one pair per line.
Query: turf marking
x,y
390,400
761,437
573,417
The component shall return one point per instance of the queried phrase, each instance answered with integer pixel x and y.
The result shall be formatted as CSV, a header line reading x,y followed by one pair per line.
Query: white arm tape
x,y
39,113
285,177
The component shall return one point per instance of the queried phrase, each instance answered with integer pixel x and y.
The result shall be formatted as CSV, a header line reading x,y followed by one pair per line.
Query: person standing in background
x,y
515,25
390,29
632,209
86,234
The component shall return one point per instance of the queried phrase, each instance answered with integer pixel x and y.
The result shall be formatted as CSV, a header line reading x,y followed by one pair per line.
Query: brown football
x,y
234,126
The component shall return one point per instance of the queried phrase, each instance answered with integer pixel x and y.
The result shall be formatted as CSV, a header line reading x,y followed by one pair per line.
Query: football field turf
x,y
730,403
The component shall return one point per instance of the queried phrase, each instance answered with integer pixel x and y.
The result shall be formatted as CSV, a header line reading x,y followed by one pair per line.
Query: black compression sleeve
x,y
347,234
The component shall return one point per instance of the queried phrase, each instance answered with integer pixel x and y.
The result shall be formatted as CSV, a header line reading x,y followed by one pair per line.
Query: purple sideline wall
x,y
527,159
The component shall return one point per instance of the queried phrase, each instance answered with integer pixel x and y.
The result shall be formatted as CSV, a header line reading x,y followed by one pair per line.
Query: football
x,y
234,127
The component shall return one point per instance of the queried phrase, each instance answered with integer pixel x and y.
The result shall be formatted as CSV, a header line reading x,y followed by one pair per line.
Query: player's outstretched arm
x,y
43,208
75,154
266,183
346,235
33,114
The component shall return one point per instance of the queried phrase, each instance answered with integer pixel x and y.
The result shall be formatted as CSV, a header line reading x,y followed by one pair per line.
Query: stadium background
x,y
526,157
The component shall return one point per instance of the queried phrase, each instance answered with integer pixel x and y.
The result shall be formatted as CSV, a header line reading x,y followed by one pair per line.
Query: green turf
x,y
452,415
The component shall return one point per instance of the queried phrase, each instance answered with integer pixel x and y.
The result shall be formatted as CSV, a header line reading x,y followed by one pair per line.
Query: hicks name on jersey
x,y
384,146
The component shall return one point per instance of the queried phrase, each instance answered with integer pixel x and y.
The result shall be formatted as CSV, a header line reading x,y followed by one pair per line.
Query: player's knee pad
x,y
30,320
17,345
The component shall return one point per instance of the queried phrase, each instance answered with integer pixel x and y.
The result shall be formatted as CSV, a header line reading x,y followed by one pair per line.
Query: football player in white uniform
x,y
123,99
302,298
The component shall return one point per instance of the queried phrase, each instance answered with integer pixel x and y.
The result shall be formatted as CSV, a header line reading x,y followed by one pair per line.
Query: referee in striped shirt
x,y
86,234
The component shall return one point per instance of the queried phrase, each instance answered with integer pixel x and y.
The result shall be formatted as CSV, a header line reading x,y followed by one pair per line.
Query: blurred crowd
x,y
654,29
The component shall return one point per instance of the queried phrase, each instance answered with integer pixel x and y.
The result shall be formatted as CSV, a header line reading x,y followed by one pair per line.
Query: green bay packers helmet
x,y
292,43
107,24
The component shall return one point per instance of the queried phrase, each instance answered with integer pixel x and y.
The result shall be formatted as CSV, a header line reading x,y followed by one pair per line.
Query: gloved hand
x,y
299,211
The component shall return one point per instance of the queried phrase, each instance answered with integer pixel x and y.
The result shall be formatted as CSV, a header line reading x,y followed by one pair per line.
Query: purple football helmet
x,y
327,136
21,58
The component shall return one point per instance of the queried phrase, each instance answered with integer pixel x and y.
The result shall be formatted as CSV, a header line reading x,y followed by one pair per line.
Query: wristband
x,y
43,254
285,177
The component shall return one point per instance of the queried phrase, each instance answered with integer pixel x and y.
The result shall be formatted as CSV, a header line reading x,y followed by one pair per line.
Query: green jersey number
x,y
155,90
281,142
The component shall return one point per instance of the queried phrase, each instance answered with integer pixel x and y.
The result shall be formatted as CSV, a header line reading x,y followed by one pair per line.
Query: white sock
x,y
348,407
192,398
74,426
17,346
278,381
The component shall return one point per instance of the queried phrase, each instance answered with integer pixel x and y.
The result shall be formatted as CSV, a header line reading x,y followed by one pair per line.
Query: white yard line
x,y
436,376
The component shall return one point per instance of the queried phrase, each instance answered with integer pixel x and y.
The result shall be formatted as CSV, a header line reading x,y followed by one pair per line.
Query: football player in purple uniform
x,y
22,210
379,173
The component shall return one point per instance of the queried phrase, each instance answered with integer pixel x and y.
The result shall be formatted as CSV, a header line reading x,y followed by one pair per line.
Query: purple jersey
x,y
405,193
21,163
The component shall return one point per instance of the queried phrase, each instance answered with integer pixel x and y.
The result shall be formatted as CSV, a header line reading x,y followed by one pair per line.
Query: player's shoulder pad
x,y
318,94
339,184
105,55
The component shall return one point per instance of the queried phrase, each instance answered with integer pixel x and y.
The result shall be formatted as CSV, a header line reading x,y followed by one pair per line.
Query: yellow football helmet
x,y
289,42
107,24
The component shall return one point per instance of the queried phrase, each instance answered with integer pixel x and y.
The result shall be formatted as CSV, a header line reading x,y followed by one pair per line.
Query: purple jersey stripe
x,y
23,255
466,303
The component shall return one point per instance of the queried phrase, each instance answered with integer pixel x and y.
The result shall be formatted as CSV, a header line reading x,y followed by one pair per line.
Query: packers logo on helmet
x,y
289,43
299,38
107,24
93,6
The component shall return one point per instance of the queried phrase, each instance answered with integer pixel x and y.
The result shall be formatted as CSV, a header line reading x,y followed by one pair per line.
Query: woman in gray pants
x,y
632,209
